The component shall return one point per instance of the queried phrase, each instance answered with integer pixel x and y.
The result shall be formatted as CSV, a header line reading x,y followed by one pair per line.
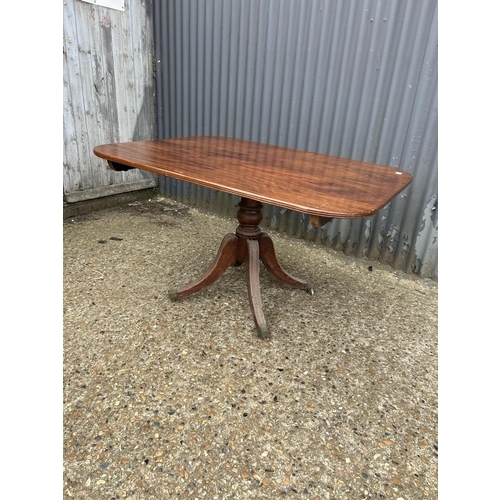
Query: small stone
x,y
388,442
245,475
266,481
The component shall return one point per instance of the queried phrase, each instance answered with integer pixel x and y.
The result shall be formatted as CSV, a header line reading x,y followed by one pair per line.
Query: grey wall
x,y
108,93
356,79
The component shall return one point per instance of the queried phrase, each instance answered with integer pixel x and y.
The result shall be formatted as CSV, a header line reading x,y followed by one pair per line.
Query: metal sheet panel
x,y
108,93
353,79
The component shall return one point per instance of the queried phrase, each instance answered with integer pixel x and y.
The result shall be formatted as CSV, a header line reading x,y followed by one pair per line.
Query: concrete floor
x,y
181,399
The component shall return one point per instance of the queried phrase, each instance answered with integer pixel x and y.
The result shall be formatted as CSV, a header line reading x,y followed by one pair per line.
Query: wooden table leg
x,y
252,271
248,246
268,257
225,257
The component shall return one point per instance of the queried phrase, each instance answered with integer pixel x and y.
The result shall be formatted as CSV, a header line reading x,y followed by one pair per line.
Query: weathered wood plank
x,y
108,91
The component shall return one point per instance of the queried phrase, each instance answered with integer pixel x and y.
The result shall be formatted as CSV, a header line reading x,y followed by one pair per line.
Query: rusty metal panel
x,y
354,79
108,93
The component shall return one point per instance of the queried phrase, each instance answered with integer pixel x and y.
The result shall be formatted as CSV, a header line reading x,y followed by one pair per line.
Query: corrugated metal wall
x,y
356,79
108,93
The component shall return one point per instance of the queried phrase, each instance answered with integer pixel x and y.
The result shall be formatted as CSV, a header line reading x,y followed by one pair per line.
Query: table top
x,y
312,183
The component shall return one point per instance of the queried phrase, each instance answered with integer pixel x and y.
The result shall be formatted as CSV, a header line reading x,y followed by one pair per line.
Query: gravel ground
x,y
181,399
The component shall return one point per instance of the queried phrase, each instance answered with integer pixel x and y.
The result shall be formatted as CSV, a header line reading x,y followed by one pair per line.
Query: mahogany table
x,y
322,186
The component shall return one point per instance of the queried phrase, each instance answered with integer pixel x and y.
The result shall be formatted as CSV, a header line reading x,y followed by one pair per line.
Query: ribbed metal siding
x,y
355,79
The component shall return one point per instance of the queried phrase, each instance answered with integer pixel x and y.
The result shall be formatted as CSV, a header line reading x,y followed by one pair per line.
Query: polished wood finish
x,y
248,246
252,271
268,257
226,256
322,186
315,184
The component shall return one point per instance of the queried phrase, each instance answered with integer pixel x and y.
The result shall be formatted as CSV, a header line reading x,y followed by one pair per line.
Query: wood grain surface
x,y
315,184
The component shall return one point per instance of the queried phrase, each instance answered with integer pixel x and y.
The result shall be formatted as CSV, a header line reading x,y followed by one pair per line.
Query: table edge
x,y
246,194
